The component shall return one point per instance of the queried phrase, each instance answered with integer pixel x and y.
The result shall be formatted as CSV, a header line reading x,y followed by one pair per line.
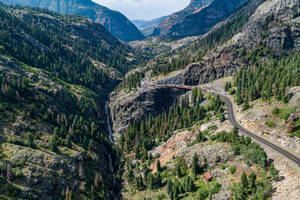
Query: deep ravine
x,y
108,122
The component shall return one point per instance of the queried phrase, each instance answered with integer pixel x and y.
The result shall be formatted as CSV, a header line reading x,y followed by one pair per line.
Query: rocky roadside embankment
x,y
254,120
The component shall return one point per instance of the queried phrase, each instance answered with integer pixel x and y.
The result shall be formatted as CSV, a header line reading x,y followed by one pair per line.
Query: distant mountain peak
x,y
198,17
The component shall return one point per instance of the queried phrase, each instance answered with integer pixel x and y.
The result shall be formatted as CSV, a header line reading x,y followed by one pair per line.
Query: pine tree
x,y
239,99
151,181
158,180
195,165
200,137
158,167
169,186
69,141
273,172
246,104
191,185
222,117
252,182
139,183
194,95
55,131
91,145
205,164
244,180
200,95
130,175
175,192
30,141
178,171
53,144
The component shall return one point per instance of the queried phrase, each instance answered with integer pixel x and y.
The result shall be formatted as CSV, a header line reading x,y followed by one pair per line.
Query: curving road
x,y
233,120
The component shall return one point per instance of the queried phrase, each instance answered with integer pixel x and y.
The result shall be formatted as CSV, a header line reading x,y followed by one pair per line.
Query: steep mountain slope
x,y
148,27
261,31
272,30
113,21
198,17
261,42
55,73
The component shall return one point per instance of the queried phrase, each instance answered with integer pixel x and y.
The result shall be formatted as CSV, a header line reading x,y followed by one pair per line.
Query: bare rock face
x,y
219,152
294,92
198,73
198,17
290,126
44,173
271,25
126,107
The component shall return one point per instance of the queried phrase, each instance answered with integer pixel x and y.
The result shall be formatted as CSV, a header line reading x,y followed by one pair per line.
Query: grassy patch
x,y
283,113
270,124
297,129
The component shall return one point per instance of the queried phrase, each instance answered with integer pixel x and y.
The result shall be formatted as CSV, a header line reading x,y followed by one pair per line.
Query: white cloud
x,y
144,9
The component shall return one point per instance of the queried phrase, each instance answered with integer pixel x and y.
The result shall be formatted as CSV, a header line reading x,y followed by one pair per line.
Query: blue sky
x,y
144,9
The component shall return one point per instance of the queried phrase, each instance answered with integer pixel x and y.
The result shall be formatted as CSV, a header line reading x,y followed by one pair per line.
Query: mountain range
x,y
84,115
148,26
197,18
113,21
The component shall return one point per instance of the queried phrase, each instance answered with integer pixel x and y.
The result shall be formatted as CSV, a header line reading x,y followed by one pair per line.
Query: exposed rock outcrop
x,y
213,153
294,92
126,107
272,25
45,174
198,17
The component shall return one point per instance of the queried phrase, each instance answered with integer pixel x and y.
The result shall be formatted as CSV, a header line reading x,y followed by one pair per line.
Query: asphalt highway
x,y
233,120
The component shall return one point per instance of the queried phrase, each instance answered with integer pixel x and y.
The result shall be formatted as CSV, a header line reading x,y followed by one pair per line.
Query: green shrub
x,y
161,196
157,156
270,124
15,141
231,91
283,113
202,193
275,111
216,188
232,170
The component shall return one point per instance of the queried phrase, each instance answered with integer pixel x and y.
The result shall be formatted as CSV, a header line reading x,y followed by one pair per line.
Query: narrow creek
x,y
110,136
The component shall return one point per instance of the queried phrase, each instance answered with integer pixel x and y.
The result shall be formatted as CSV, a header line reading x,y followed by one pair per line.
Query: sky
x,y
144,9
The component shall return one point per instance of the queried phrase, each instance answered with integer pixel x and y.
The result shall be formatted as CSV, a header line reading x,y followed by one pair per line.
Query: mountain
x,y
148,26
55,73
271,33
113,21
198,17
259,45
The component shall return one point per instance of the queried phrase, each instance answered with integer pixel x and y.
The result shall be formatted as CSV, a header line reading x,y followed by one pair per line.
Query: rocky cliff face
x,y
272,25
198,17
275,24
126,107
113,21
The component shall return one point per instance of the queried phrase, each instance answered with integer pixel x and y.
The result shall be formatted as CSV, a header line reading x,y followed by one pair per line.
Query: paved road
x,y
234,122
